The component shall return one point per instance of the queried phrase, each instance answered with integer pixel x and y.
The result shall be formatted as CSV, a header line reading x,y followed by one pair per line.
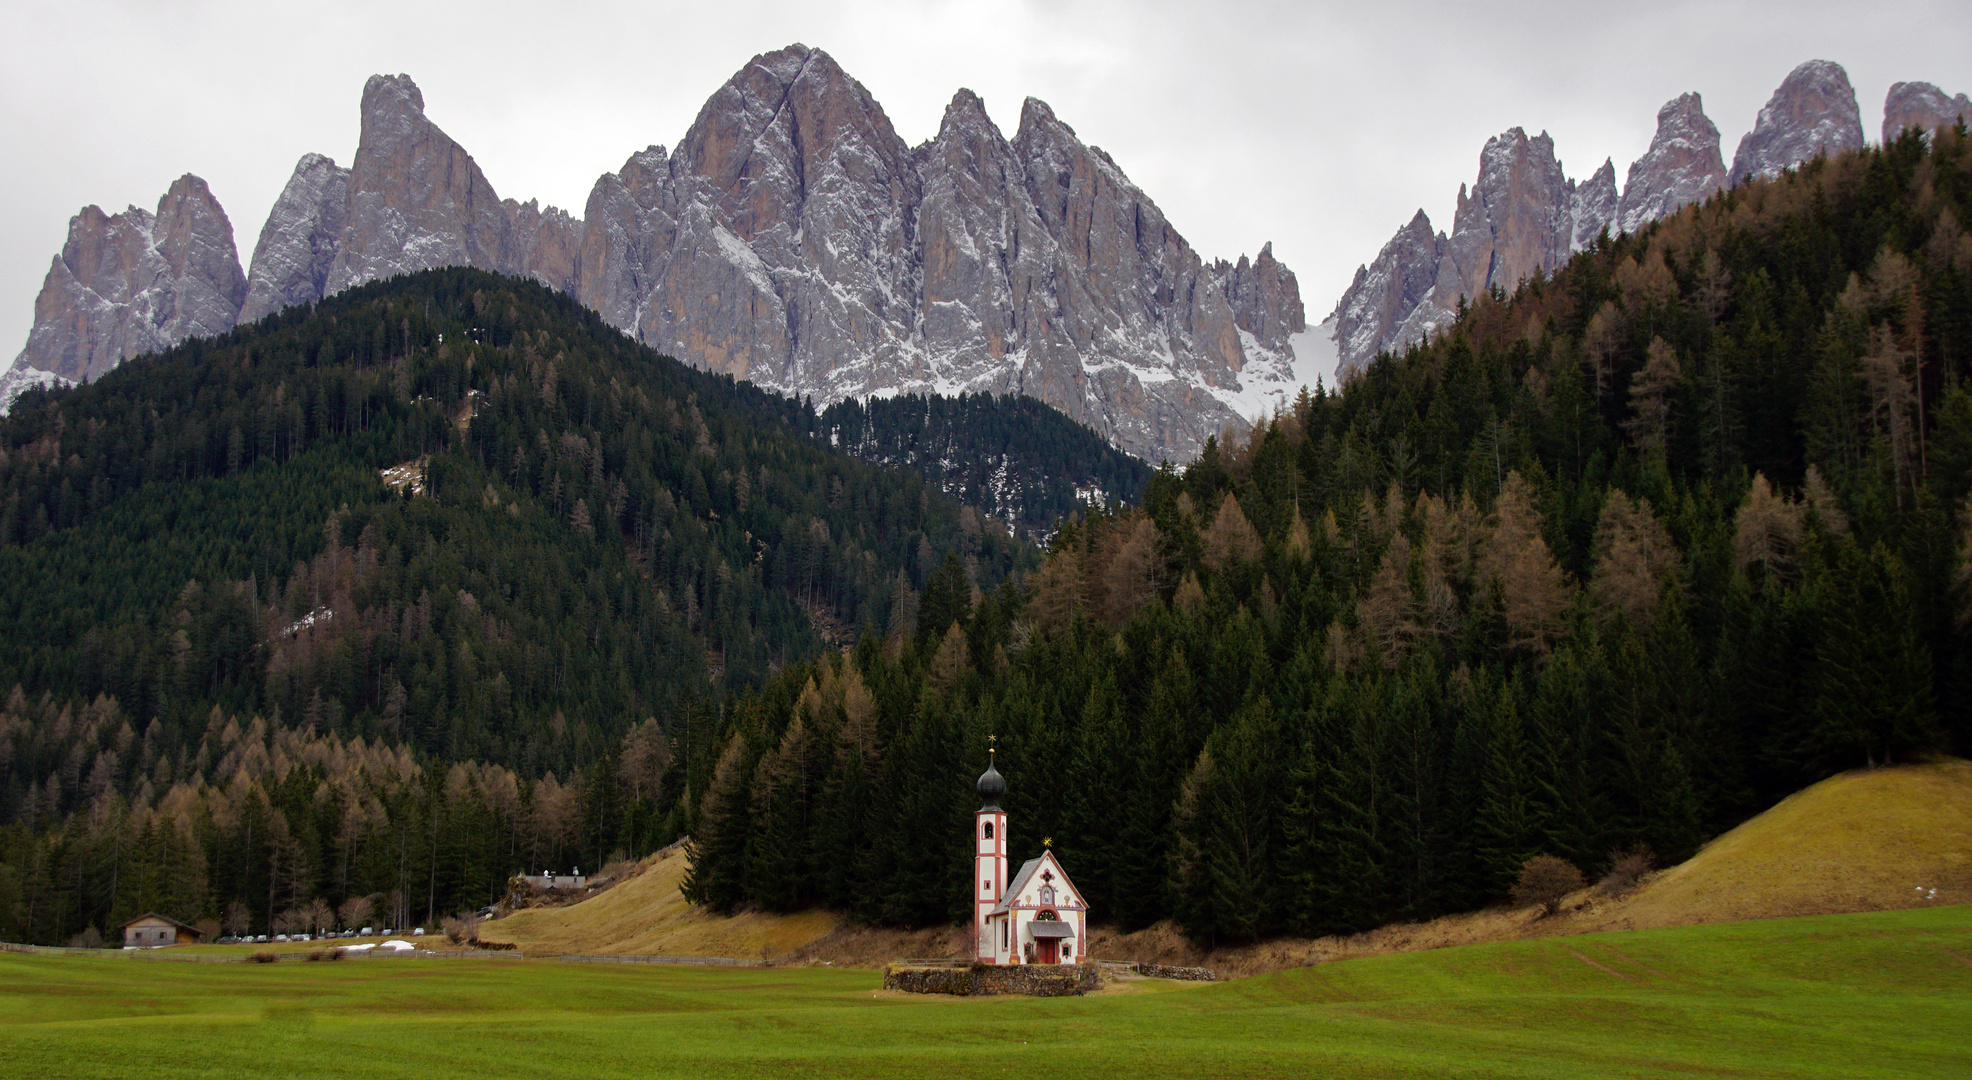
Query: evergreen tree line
x,y
1013,457
276,829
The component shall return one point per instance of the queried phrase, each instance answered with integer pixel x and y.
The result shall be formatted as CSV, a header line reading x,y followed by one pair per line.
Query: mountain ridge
x,y
794,239
1525,216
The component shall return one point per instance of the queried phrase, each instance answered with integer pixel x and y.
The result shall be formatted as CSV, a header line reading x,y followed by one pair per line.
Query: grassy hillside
x,y
647,915
1861,841
1876,995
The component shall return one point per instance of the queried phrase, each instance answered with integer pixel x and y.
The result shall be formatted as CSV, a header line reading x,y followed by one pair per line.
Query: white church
x,y
1037,918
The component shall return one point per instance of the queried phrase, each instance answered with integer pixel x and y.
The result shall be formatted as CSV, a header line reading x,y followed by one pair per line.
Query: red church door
x,y
1050,951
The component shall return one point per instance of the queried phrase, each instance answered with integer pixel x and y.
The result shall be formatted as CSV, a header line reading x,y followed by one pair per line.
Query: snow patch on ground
x,y
1272,379
1316,356
22,377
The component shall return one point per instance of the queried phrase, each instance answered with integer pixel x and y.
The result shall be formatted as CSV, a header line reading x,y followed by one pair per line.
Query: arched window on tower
x,y
989,830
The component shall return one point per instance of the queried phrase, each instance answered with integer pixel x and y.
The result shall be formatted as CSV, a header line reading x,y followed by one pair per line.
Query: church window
x,y
989,830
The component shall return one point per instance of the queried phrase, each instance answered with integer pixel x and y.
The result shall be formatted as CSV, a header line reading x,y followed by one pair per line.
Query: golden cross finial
x,y
990,740
1048,842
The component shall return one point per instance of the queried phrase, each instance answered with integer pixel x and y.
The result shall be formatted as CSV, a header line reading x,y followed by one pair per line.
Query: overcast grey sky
x,y
1321,127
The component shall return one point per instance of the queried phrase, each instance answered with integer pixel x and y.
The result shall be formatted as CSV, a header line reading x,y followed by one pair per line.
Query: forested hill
x,y
1615,563
576,535
1013,457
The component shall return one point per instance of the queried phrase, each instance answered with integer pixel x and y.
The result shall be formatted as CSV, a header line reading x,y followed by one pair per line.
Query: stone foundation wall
x,y
1160,971
1034,980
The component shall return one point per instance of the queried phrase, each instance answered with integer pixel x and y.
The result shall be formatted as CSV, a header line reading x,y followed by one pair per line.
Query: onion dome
x,y
991,786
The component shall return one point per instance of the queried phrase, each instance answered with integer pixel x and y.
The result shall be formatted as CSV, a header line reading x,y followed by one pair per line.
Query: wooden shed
x,y
151,930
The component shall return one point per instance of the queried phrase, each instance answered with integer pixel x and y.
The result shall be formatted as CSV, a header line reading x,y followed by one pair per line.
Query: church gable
x,y
1045,884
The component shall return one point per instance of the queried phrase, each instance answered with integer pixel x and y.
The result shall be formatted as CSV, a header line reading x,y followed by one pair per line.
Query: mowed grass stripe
x,y
1881,994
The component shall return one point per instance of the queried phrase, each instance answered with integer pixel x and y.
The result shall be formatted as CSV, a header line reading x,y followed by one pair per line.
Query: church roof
x,y
1019,882
1051,929
1027,870
991,787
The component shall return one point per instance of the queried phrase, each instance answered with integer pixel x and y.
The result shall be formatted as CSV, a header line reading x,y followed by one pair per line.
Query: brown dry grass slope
x,y
1861,841
646,915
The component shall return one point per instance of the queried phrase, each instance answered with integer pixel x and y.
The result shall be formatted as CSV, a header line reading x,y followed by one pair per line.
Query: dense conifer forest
x,y
445,519
1613,564
1012,457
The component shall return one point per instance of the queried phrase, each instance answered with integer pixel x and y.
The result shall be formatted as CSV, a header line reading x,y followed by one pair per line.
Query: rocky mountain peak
x,y
1812,113
416,200
387,95
1522,213
131,283
1594,207
1265,297
1515,220
1036,115
1922,106
1387,291
1682,166
965,113
298,243
791,238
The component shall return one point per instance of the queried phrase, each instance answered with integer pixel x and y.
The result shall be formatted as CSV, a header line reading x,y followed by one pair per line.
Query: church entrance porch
x,y
1052,938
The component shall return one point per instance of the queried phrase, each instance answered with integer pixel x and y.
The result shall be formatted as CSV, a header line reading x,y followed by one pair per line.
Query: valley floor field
x,y
1885,994
1869,840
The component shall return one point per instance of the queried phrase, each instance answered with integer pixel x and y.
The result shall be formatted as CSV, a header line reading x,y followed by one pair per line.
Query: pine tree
x,y
1873,678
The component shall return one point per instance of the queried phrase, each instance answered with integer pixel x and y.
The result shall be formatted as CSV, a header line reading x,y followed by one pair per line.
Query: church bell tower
x,y
989,836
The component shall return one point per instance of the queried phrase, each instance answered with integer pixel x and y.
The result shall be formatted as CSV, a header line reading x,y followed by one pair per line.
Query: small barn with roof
x,y
1038,917
153,931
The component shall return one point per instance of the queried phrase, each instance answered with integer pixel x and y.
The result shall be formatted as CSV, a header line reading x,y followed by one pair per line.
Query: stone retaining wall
x,y
1160,971
1033,980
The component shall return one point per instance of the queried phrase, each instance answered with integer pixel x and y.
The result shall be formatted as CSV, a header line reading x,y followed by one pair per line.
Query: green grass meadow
x,y
1846,996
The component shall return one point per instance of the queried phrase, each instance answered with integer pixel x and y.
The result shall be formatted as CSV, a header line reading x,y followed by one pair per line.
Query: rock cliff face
x,y
1387,291
1523,214
1513,221
1596,206
793,239
299,242
1922,106
126,284
1812,113
1682,166
416,200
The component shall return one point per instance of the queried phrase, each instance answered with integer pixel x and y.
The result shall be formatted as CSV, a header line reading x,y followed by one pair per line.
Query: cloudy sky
x,y
1318,126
